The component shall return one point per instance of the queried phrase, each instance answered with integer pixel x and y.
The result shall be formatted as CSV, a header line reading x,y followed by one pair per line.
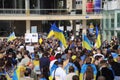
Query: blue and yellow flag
x,y
11,37
86,43
40,40
16,74
84,68
98,40
8,77
57,33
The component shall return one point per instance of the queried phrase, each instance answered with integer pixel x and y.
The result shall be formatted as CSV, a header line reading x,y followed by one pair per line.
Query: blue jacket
x,y
53,68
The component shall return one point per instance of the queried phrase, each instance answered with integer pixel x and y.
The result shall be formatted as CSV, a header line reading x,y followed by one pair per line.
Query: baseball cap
x,y
73,57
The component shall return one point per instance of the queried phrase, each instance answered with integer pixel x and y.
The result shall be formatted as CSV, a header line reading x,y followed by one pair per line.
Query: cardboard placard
x,y
31,37
30,49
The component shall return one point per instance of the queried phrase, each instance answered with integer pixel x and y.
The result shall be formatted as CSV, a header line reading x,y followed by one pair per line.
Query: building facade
x,y
111,20
20,15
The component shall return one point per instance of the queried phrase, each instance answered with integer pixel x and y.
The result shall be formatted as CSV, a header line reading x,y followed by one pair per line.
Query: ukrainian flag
x,y
98,40
86,43
11,37
57,33
8,77
40,40
16,74
84,68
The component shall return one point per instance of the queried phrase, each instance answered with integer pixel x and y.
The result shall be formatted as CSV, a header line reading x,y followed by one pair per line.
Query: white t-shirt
x,y
24,61
51,63
69,76
59,74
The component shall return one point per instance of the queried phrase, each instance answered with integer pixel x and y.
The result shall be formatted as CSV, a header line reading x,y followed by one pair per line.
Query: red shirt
x,y
52,58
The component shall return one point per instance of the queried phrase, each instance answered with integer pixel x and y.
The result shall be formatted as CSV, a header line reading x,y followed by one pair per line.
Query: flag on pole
x,y
98,40
40,40
57,33
86,43
11,37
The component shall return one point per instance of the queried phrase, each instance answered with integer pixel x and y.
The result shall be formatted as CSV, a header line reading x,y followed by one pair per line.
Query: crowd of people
x,y
51,61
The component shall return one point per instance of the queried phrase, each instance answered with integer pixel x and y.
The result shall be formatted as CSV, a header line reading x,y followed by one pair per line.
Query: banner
x,y
30,49
31,37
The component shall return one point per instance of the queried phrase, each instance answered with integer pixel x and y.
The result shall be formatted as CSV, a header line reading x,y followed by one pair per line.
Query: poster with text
x,y
31,37
30,49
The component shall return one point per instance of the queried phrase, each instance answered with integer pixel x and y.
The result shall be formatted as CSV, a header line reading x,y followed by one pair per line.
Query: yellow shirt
x,y
91,26
36,62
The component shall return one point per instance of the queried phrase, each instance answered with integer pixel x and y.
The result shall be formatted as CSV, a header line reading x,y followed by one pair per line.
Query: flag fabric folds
x,y
57,33
11,36
86,43
84,68
98,40
40,40
16,74
8,77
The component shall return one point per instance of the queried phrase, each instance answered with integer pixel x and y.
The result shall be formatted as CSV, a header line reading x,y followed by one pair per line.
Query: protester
x,y
71,73
75,77
26,61
50,59
105,71
115,67
59,73
101,78
44,65
85,67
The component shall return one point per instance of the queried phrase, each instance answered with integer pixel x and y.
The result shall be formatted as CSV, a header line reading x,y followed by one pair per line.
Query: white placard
x,y
61,28
30,49
34,37
69,28
77,27
31,37
28,38
21,47
80,26
33,29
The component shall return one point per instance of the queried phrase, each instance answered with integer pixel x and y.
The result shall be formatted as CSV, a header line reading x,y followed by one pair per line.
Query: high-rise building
x,y
21,15
111,19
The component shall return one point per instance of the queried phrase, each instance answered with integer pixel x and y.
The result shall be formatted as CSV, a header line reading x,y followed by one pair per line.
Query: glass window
x,y
7,3
112,33
78,2
112,22
107,23
106,34
118,20
33,4
112,19
1,3
118,35
20,4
